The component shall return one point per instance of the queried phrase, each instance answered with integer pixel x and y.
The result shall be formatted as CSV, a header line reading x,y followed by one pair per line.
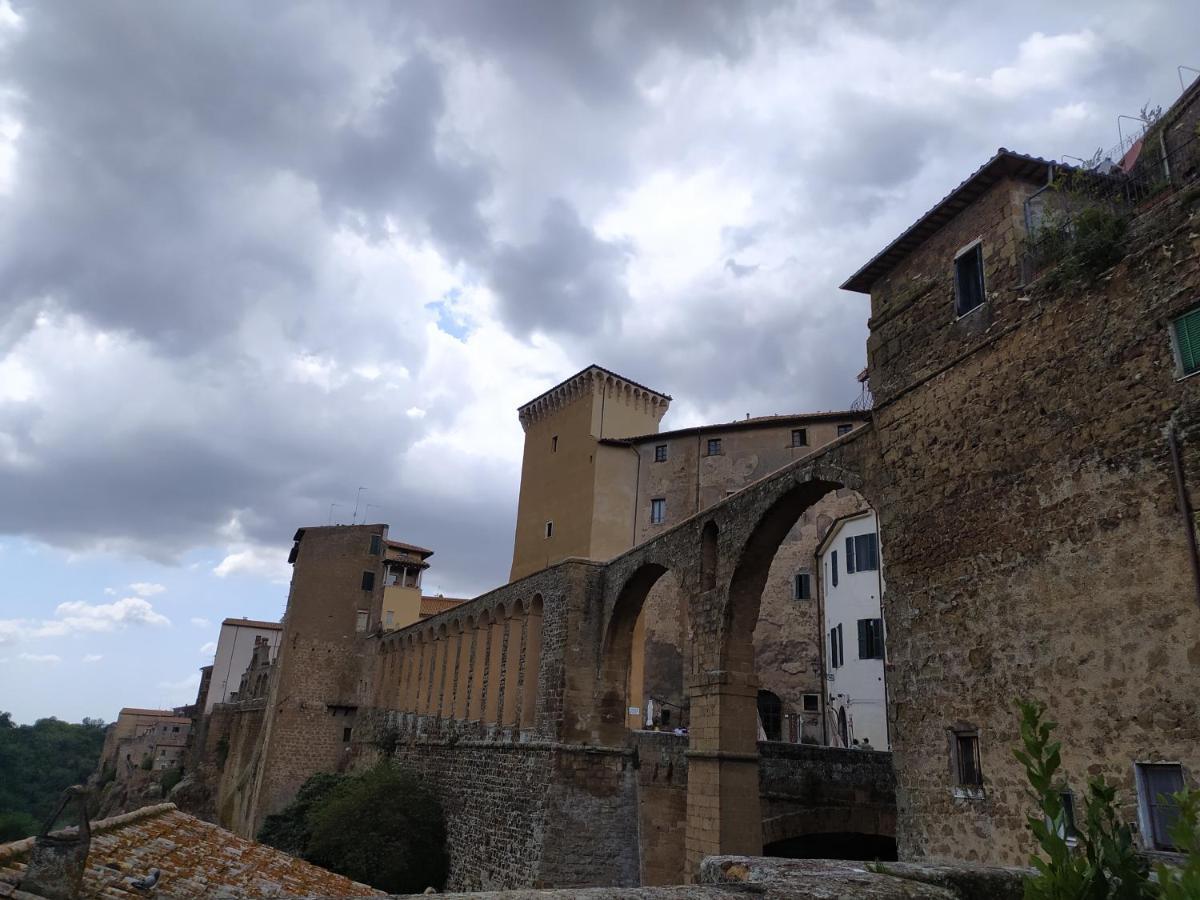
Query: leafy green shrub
x,y
1106,864
17,825
39,761
170,778
381,827
1082,246
147,762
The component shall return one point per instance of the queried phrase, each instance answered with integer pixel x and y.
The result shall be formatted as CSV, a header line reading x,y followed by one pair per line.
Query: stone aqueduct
x,y
540,666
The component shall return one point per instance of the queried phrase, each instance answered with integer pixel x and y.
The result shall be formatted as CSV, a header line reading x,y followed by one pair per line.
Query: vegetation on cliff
x,y
381,827
39,761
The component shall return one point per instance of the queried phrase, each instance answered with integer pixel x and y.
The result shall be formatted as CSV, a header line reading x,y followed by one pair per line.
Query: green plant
x,y
381,827
170,778
1106,864
147,763
1183,883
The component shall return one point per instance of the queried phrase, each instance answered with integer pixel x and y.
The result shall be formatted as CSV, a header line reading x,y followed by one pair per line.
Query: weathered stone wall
x,y
1028,508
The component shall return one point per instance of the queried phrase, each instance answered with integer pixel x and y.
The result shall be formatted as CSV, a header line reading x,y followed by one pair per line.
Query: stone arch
x,y
615,663
532,660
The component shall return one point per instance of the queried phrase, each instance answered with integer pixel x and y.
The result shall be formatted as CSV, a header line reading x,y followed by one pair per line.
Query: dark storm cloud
x,y
566,281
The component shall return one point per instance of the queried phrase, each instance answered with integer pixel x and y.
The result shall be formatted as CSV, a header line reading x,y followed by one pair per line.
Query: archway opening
x,y
621,667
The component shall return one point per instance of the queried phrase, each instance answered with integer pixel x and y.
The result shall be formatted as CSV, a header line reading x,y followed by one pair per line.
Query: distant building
x,y
235,647
159,735
851,586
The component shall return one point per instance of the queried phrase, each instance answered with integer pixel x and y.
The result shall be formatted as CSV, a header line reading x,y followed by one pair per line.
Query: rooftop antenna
x,y
357,497
331,506
1180,70
367,507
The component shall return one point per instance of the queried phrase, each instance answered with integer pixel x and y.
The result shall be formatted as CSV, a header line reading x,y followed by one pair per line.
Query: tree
x,y
381,827
38,762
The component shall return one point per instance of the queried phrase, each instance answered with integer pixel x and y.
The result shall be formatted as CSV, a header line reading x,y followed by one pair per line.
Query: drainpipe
x,y
1185,506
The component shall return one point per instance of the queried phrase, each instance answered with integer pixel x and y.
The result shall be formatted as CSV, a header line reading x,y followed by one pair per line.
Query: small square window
x,y
376,544
844,428
368,581
1186,334
660,453
812,703
658,511
714,446
968,280
966,758
346,733
799,437
549,530
1156,782
802,586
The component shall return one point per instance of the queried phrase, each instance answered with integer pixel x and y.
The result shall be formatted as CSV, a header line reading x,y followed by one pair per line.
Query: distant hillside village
x,y
792,635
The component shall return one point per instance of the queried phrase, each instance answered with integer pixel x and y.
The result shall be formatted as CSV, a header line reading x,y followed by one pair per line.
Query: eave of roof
x,y
254,623
743,425
1005,163
411,548
582,371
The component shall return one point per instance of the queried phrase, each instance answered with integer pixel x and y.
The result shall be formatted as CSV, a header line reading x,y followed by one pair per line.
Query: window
x,y
658,511
660,453
802,586
361,623
836,656
1066,827
799,437
368,581
966,758
175,730
862,553
968,279
833,566
870,638
812,703
1156,782
549,530
346,732
388,618
1186,334
554,444
845,428
714,446
376,544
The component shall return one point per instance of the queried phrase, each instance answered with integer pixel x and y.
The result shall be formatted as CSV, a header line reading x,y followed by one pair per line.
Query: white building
x,y
851,585
235,645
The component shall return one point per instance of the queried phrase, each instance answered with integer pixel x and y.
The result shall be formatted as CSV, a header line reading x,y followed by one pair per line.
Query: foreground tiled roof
x,y
196,859
431,606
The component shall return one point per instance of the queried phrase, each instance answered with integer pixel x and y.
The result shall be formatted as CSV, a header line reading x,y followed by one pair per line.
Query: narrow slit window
x,y
658,511
968,280
376,544
368,581
833,567
802,586
966,751
549,530
554,444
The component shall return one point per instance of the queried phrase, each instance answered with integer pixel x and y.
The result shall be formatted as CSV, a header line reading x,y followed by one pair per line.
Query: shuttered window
x,y
1187,341
833,565
836,658
870,638
1157,783
862,553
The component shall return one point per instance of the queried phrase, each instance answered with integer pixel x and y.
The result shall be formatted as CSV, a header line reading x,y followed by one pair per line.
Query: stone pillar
x,y
428,649
478,699
512,668
439,673
408,682
466,637
492,709
724,816
533,657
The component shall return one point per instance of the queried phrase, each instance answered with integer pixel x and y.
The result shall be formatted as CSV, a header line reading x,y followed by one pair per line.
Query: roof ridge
x,y
24,845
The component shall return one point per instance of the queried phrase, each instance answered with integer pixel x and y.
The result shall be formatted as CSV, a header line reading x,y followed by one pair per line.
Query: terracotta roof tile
x,y
197,859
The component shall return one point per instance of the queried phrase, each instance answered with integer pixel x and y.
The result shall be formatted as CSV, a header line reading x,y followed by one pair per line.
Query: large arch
x,y
616,651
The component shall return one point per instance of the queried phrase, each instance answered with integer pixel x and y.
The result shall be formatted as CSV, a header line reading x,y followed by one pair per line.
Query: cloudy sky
x,y
254,256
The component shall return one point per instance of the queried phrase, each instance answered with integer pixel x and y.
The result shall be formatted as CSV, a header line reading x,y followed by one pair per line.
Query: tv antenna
x,y
331,506
367,507
357,497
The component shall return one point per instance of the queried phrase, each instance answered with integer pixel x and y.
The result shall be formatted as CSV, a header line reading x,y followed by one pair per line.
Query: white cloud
x,y
208,649
40,657
92,657
146,589
76,616
200,622
257,562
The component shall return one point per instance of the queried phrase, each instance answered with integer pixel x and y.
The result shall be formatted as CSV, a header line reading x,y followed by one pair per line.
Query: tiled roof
x,y
753,422
431,606
411,548
135,711
196,859
1005,163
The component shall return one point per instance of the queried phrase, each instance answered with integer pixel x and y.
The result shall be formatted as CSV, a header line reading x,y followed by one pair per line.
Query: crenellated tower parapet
x,y
595,381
